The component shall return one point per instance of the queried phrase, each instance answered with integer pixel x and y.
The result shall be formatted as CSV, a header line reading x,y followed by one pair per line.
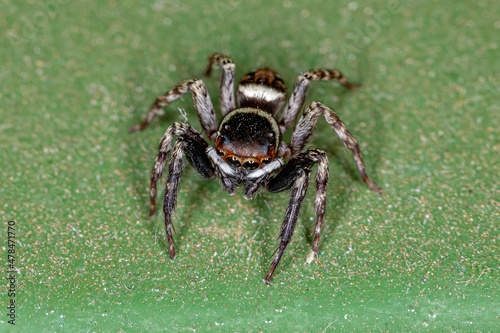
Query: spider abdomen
x,y
262,89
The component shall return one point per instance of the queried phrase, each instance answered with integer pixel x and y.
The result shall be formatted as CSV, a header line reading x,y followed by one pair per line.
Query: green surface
x,y
74,76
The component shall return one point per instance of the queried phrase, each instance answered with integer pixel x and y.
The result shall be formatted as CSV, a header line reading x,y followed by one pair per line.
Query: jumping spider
x,y
248,148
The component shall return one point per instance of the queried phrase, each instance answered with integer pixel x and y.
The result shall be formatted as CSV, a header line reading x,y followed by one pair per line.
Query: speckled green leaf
x,y
74,76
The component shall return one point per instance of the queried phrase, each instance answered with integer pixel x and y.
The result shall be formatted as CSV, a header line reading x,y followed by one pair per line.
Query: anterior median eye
x,y
251,165
233,161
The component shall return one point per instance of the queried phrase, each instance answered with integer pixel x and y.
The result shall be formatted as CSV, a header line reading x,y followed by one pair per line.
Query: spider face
x,y
248,149
248,138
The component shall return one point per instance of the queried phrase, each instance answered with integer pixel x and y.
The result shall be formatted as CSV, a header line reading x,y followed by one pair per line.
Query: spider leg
x,y
306,126
295,175
296,101
227,101
201,100
297,195
175,168
194,146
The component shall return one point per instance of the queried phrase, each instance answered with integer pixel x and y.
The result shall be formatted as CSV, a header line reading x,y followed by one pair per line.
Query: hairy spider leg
x,y
306,126
296,101
295,175
201,100
227,100
191,143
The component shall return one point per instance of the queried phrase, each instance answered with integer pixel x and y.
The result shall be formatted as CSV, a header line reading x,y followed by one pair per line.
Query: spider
x,y
248,149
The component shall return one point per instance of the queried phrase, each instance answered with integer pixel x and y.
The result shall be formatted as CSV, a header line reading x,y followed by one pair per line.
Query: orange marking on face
x,y
230,156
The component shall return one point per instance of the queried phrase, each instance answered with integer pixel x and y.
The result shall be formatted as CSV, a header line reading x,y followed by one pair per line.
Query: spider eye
x,y
220,152
233,161
267,160
251,165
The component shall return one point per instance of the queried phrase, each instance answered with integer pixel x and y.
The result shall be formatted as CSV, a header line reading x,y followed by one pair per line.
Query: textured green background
x,y
423,257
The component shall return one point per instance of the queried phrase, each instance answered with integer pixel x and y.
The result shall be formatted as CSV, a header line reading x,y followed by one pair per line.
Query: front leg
x,y
297,195
296,101
295,175
227,101
191,143
307,125
175,168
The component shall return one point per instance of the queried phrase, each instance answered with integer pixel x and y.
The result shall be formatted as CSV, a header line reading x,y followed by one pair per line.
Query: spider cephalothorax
x,y
248,138
248,150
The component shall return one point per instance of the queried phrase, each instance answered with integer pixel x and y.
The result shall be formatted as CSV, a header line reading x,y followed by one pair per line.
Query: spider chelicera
x,y
248,149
